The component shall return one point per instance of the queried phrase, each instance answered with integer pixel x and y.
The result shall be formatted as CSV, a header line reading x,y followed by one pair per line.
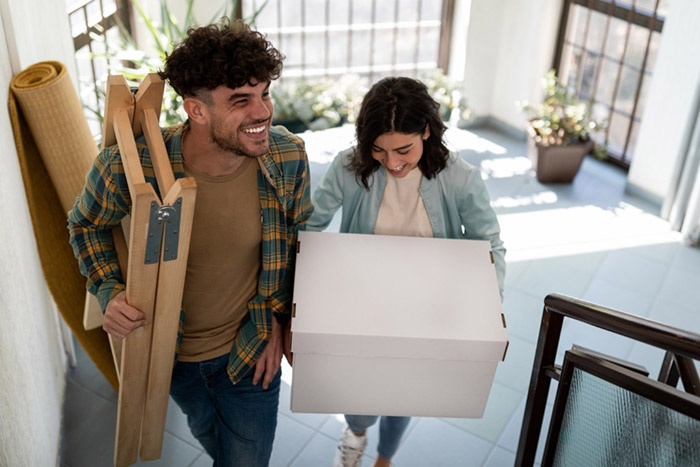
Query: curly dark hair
x,y
401,105
229,54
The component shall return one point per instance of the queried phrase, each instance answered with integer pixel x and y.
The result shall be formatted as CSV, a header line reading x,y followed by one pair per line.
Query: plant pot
x,y
558,164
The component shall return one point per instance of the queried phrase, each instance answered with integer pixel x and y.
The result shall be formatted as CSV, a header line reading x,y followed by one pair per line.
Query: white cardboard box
x,y
388,325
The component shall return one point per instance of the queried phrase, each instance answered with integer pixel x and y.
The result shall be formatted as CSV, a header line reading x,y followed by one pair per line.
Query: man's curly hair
x,y
229,54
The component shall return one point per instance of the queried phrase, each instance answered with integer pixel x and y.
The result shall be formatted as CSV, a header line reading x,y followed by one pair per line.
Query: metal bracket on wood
x,y
163,231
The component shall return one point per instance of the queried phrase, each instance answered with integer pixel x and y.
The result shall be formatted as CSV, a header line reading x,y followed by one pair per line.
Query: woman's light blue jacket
x,y
456,200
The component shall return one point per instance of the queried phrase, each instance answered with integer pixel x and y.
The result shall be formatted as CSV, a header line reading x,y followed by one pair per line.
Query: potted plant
x,y
448,93
317,103
560,129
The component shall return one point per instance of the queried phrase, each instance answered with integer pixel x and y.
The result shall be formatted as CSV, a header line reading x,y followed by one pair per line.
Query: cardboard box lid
x,y
392,296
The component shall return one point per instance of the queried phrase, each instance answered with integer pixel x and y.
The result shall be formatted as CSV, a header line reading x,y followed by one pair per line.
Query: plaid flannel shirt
x,y
283,182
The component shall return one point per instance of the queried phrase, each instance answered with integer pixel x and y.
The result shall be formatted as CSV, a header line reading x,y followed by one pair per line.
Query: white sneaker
x,y
350,449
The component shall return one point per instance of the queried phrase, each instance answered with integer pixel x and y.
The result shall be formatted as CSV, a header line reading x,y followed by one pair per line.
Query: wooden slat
x,y
92,315
171,280
116,346
128,152
148,96
159,154
140,293
119,96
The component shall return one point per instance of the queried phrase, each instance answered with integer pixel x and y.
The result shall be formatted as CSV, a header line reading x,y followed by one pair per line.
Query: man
x,y
252,198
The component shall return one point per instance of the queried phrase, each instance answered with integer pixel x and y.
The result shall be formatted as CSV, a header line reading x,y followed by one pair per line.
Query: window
x,y
370,38
606,53
95,29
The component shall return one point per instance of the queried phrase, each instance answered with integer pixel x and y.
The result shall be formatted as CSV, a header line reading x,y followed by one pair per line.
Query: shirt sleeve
x,y
98,209
299,210
328,196
481,223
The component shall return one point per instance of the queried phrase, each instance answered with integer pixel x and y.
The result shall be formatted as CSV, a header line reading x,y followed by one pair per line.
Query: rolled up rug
x,y
55,149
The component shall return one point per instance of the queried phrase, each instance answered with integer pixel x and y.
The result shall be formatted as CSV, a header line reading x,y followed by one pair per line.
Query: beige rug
x,y
56,149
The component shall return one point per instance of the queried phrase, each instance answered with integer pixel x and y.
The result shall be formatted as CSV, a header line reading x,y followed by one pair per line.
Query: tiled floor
x,y
589,239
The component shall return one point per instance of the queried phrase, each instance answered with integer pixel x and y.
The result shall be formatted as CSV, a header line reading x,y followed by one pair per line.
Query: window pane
x,y
653,50
636,48
267,18
617,34
290,13
428,11
428,46
383,53
314,13
338,44
588,74
409,10
338,13
641,104
314,46
627,90
608,77
617,131
362,11
385,12
576,25
596,31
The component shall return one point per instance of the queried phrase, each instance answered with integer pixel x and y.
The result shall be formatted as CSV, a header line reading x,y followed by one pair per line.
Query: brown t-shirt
x,y
224,260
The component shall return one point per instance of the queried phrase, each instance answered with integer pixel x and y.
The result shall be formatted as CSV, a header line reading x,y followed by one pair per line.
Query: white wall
x,y
510,46
669,108
32,359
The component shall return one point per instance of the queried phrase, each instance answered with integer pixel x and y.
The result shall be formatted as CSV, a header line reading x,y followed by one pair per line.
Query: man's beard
x,y
228,142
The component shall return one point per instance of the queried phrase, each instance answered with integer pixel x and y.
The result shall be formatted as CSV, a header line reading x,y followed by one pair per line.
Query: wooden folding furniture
x,y
158,233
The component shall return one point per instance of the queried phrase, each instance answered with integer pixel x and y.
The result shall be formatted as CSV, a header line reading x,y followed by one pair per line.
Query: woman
x,y
400,179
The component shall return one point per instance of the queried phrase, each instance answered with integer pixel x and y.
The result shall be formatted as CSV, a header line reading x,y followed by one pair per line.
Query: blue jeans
x,y
391,429
235,423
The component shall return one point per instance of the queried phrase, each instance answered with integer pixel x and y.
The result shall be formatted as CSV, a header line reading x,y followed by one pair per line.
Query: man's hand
x,y
269,362
121,318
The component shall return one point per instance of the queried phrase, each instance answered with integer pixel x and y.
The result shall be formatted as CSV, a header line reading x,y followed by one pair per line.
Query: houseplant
x,y
560,128
320,103
317,103
448,93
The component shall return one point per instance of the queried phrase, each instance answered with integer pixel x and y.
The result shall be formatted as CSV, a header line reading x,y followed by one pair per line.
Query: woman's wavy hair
x,y
229,53
398,105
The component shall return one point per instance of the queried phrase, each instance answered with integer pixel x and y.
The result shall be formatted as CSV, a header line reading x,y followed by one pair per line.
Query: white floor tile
x,y
499,457
602,291
291,439
436,443
500,408
629,269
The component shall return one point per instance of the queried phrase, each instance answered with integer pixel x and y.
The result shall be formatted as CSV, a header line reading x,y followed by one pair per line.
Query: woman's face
x,y
399,153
